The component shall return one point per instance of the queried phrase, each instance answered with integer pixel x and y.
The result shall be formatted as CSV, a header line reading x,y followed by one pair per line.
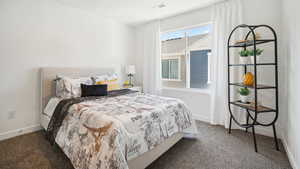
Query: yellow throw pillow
x,y
111,84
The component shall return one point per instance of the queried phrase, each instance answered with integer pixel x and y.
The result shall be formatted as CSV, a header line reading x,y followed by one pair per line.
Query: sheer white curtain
x,y
151,58
226,15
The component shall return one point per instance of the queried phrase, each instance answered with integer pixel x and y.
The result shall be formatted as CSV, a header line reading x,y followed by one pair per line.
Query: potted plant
x,y
244,92
244,56
257,52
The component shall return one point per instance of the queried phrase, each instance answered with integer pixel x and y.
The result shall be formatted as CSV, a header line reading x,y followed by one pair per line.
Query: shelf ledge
x,y
258,64
259,86
251,43
260,109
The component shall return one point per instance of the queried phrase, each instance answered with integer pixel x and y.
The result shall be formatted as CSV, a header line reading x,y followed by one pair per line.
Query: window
x,y
185,57
199,68
170,69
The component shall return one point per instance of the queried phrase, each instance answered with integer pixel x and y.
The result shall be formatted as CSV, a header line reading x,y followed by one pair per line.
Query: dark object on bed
x,y
93,90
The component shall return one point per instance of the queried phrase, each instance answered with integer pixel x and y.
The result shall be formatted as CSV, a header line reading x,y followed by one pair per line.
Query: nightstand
x,y
136,88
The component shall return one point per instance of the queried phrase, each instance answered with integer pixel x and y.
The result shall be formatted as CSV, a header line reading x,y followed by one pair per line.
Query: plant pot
x,y
252,59
244,60
244,99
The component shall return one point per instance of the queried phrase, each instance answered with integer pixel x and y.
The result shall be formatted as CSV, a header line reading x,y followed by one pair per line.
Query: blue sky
x,y
190,32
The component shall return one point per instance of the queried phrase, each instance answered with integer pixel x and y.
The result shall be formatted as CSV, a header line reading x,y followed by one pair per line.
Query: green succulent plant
x,y
257,52
244,91
244,53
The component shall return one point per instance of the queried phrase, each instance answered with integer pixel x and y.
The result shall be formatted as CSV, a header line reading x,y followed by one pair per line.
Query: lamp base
x,y
130,80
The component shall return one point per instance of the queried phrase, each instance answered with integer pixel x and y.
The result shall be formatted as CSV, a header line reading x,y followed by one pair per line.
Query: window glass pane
x,y
172,49
165,69
172,35
199,39
182,68
174,68
199,68
206,29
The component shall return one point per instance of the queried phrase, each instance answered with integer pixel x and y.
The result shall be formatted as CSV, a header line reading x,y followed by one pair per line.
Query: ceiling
x,y
135,12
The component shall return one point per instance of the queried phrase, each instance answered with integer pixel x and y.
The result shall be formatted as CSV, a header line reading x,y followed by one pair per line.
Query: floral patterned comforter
x,y
106,132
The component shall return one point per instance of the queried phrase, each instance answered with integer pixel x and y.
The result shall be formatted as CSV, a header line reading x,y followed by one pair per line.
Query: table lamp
x,y
130,70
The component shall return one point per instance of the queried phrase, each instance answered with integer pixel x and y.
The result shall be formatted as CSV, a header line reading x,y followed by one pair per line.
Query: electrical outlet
x,y
11,114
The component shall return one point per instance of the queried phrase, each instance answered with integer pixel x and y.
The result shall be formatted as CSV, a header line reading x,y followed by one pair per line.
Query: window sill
x,y
191,90
172,80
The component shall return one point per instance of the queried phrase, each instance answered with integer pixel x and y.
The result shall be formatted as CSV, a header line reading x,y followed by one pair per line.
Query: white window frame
x,y
187,58
187,27
209,55
170,56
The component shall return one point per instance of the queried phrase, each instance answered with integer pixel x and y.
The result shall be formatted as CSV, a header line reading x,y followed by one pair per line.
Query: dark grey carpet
x,y
215,149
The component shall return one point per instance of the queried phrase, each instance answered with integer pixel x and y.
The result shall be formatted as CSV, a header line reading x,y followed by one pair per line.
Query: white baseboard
x,y
289,154
201,118
18,132
264,132
259,130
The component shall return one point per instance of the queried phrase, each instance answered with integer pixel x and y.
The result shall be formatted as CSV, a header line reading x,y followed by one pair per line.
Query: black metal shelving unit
x,y
253,110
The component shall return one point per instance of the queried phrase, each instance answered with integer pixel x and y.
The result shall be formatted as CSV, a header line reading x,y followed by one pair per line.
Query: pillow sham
x,y
93,90
99,78
69,87
110,80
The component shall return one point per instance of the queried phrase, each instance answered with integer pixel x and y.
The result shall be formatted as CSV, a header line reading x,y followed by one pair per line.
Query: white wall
x,y
200,16
256,12
37,33
269,12
291,50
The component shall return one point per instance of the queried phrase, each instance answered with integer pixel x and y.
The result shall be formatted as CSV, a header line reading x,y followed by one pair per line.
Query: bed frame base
x,y
141,162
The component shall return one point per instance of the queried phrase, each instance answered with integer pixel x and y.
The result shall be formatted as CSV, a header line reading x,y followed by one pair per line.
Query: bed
x,y
48,91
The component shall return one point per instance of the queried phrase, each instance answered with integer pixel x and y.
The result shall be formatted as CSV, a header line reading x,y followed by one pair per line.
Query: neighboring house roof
x,y
177,46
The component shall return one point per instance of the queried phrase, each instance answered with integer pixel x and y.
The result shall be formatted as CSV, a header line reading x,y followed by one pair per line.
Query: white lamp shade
x,y
130,69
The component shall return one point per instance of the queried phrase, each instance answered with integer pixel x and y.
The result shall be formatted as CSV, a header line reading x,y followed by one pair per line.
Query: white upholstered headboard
x,y
48,75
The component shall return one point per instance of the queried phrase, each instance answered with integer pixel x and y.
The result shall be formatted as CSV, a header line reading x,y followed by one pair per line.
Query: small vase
x,y
252,59
244,60
244,99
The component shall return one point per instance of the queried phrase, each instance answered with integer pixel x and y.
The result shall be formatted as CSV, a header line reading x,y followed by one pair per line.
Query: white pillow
x,y
69,87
